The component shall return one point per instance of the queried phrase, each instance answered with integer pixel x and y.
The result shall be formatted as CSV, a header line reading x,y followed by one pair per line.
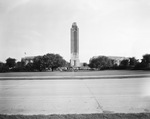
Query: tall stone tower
x,y
74,62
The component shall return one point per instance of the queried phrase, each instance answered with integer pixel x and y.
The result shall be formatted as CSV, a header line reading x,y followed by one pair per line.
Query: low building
x,y
28,59
117,60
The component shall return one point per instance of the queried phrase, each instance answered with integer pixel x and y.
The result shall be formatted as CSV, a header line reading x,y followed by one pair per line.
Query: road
x,y
128,95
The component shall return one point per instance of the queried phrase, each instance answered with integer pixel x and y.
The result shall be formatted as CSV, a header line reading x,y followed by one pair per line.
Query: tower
x,y
74,62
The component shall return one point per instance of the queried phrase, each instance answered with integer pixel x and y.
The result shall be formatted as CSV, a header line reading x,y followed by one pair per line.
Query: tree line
x,y
39,63
54,61
103,62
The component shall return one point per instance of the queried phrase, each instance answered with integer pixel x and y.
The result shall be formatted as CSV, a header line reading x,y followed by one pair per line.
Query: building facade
x,y
117,60
74,62
28,59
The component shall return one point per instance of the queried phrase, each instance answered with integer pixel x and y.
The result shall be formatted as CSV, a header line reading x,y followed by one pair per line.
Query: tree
x,y
133,62
53,61
146,61
100,62
20,66
3,67
85,64
39,64
146,58
11,62
124,64
29,67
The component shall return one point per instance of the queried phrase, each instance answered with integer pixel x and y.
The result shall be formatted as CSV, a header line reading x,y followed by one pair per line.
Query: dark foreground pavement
x,y
80,116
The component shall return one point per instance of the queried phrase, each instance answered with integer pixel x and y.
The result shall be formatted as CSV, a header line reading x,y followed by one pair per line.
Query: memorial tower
x,y
74,62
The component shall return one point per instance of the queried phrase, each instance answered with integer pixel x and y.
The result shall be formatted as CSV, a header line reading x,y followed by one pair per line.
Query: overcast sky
x,y
106,27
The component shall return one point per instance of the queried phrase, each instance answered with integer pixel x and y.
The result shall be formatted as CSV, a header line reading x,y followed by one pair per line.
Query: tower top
x,y
74,24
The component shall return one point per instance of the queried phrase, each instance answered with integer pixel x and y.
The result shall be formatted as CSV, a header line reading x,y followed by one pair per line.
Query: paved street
x,y
128,95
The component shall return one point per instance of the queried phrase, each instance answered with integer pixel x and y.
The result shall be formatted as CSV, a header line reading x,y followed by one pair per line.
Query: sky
x,y
106,27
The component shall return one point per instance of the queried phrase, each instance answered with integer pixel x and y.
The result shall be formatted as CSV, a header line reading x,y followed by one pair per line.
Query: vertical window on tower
x,y
75,41
75,63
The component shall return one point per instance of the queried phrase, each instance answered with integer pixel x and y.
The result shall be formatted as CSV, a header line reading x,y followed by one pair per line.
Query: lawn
x,y
79,73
